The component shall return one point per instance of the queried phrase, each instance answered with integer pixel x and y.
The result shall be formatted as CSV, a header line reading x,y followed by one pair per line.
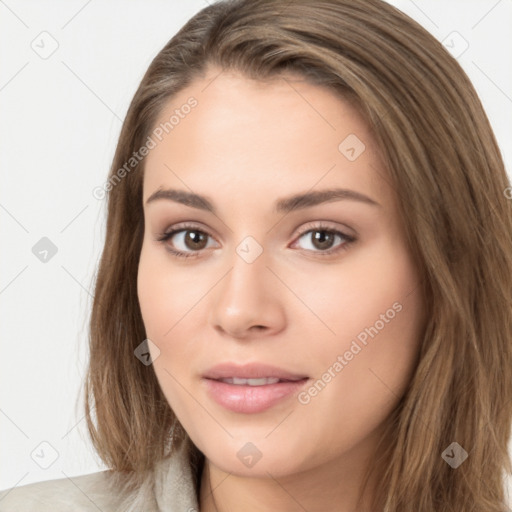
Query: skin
x,y
244,145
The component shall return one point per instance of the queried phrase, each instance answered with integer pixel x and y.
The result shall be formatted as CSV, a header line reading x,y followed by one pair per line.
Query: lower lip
x,y
251,399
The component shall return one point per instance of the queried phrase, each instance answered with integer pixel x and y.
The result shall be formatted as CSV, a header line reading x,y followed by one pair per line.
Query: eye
x,y
187,236
324,238
191,240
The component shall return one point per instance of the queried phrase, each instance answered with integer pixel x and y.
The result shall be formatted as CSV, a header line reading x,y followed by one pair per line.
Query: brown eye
x,y
323,239
186,240
195,240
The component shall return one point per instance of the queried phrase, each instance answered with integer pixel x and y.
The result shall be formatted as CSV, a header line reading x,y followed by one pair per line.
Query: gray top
x,y
168,488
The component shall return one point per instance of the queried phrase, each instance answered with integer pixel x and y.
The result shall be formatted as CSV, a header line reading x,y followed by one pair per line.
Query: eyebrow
x,y
283,205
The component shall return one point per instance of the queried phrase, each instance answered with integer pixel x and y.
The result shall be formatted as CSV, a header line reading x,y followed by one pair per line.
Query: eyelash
x,y
163,237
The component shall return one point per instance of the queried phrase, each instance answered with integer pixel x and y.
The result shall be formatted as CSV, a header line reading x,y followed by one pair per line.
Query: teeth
x,y
251,382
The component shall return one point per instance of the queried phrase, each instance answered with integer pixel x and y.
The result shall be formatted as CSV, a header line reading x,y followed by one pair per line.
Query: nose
x,y
247,302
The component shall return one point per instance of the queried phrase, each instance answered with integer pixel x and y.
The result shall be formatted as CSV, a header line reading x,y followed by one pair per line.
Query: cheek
x,y
165,296
376,311
162,305
371,294
172,302
152,299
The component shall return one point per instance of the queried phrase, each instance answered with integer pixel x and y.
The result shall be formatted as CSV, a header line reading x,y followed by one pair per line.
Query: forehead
x,y
246,136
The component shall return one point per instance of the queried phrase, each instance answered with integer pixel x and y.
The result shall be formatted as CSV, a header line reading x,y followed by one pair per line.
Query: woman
x,y
237,362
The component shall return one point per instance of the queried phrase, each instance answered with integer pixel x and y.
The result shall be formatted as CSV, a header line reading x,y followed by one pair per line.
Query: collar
x,y
174,483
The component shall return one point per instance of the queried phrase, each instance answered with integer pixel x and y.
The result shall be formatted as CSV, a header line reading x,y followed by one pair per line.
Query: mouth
x,y
239,381
248,397
252,374
251,388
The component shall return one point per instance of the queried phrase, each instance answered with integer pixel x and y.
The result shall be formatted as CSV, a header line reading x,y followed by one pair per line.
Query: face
x,y
325,291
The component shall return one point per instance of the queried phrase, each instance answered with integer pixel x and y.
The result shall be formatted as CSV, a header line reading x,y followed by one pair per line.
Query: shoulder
x,y
81,493
169,485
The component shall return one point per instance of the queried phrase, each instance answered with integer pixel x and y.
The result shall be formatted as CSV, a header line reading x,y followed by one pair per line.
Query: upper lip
x,y
250,371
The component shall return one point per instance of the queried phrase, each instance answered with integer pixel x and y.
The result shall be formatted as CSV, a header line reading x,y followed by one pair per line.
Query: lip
x,y
250,371
251,399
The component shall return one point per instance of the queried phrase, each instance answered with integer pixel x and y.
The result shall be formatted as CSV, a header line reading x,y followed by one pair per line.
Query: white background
x,y
60,119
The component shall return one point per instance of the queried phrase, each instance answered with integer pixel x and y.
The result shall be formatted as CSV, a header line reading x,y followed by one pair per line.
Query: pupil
x,y
324,238
194,237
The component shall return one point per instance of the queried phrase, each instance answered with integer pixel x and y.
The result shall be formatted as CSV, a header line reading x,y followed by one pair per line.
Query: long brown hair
x,y
442,160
